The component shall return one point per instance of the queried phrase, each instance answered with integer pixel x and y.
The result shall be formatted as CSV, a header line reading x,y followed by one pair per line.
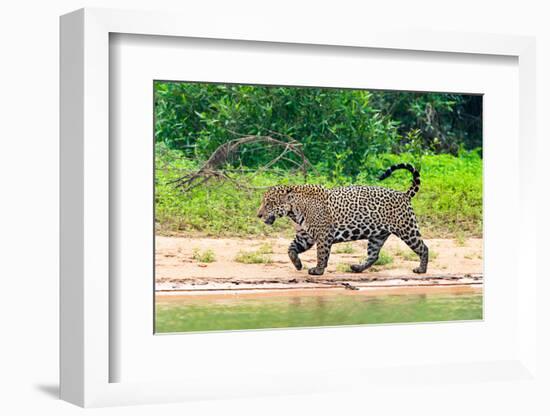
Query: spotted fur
x,y
326,216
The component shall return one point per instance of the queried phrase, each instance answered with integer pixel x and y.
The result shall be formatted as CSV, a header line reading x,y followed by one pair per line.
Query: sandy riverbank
x,y
452,263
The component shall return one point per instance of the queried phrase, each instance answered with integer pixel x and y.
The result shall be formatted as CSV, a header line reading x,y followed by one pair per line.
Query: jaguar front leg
x,y
323,253
302,242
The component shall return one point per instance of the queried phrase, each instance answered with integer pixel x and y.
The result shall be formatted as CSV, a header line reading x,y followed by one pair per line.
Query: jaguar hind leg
x,y
375,245
419,247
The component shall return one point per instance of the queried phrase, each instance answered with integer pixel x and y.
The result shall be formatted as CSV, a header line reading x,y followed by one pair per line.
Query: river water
x,y
320,308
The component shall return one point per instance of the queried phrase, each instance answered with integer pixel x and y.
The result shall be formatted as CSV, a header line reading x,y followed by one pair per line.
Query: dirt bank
x,y
452,263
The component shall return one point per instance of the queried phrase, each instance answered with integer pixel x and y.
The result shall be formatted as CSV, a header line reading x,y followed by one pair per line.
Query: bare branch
x,y
215,166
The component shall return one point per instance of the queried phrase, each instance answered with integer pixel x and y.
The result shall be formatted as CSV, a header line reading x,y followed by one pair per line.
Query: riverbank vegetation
x,y
348,137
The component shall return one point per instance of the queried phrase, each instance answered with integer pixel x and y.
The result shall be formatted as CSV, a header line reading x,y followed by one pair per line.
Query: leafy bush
x,y
339,128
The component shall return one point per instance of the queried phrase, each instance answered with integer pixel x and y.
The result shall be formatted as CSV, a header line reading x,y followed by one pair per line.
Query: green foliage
x,y
407,255
384,259
350,136
265,248
450,192
444,123
252,257
206,256
214,209
412,256
339,128
460,239
449,200
343,268
346,248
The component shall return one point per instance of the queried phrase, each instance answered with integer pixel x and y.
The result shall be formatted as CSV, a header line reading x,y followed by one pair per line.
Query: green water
x,y
229,313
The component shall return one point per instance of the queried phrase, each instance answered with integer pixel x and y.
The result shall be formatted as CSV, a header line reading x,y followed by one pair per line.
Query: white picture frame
x,y
86,335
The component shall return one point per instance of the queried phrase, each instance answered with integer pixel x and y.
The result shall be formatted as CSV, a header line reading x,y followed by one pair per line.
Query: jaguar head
x,y
275,204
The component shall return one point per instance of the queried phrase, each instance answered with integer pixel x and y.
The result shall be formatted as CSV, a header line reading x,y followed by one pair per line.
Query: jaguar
x,y
326,216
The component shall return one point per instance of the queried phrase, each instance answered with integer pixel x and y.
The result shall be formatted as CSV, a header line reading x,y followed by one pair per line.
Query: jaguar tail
x,y
415,186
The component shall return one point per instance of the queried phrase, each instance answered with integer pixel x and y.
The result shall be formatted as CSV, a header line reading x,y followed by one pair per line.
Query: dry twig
x,y
215,166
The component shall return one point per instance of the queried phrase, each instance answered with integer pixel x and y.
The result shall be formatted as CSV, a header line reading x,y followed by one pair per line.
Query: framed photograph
x,y
283,213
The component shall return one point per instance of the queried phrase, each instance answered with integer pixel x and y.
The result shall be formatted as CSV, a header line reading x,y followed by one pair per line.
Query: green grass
x,y
412,256
206,256
460,239
449,203
343,267
252,257
384,259
346,248
406,255
265,248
